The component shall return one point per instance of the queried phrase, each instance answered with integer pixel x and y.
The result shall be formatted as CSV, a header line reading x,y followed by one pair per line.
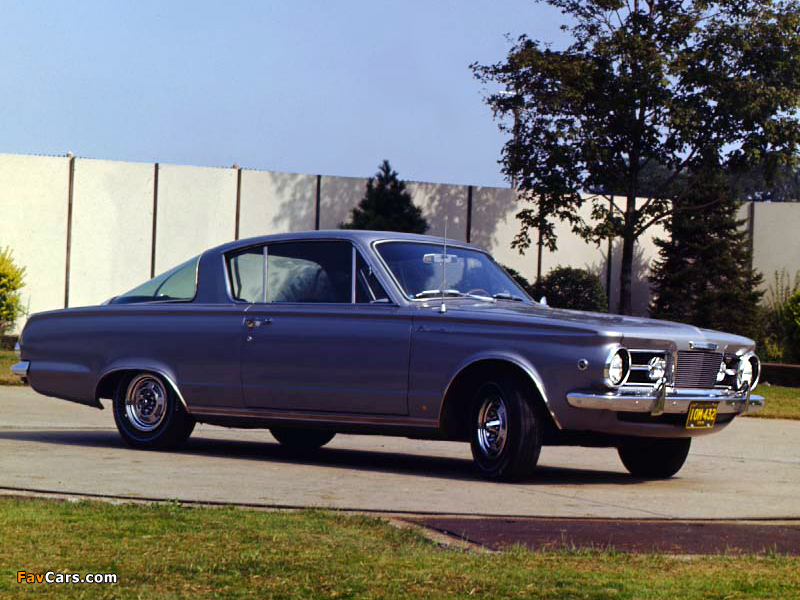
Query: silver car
x,y
310,334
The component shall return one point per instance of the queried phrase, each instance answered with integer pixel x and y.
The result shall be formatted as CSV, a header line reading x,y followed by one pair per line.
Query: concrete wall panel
x,y
338,196
439,201
112,221
494,226
273,202
743,213
33,222
776,242
196,210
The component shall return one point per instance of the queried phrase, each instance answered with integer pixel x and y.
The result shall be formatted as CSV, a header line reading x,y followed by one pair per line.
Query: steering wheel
x,y
476,290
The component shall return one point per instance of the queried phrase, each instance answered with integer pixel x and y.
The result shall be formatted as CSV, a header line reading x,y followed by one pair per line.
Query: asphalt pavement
x,y
749,471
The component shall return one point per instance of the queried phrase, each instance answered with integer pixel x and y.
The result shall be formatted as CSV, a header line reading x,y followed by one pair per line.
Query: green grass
x,y
779,402
170,551
8,358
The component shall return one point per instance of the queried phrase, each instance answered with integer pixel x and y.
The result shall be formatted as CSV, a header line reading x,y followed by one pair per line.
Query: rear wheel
x,y
506,424
301,439
654,458
148,413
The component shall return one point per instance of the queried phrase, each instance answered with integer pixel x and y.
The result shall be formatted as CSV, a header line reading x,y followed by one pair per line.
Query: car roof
x,y
365,237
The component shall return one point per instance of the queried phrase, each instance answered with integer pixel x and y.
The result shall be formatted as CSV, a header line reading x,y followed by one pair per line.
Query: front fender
x,y
510,357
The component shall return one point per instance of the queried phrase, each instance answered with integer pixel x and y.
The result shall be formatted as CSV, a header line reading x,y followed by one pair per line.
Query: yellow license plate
x,y
701,415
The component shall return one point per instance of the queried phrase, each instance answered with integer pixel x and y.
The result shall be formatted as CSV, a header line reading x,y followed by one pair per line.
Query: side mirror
x,y
543,301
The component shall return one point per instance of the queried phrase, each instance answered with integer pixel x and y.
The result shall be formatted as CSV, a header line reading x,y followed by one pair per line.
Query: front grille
x,y
697,369
694,368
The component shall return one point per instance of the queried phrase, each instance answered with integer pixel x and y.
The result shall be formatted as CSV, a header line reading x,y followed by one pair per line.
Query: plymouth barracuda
x,y
310,334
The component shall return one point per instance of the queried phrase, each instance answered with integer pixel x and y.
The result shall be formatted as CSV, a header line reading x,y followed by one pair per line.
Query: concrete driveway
x,y
749,471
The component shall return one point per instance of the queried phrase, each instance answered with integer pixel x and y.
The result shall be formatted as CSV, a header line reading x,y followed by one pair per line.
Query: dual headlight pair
x,y
742,371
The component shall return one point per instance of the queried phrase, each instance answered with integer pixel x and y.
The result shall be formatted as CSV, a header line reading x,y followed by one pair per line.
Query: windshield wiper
x,y
505,296
450,294
436,294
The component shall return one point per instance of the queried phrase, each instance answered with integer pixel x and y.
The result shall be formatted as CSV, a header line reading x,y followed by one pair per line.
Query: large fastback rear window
x,y
179,284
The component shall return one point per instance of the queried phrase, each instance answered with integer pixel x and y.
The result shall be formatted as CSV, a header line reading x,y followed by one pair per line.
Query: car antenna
x,y
443,307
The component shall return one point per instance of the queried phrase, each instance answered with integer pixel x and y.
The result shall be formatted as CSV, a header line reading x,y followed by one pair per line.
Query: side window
x,y
246,273
310,272
368,288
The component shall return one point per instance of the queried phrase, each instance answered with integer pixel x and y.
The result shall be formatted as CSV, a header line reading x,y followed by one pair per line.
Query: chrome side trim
x,y
168,379
337,418
21,369
674,401
529,371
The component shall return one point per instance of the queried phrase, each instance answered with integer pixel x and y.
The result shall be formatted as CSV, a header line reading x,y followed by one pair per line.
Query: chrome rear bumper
x,y
675,401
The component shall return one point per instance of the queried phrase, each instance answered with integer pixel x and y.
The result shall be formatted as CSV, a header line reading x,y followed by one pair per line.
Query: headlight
x,y
618,367
748,371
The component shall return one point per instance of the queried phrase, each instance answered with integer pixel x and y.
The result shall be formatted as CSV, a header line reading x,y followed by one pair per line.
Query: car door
x,y
324,341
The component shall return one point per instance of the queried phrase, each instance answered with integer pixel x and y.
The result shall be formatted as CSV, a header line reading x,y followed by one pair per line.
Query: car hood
x,y
631,331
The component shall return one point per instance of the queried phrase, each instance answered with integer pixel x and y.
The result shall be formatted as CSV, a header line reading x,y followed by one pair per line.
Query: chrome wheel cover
x,y
146,403
492,426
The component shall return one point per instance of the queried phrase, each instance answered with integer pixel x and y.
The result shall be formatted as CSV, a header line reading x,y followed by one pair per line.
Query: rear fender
x,y
138,365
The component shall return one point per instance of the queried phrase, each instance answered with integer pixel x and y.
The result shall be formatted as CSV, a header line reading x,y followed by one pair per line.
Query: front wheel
x,y
506,426
148,413
654,458
301,439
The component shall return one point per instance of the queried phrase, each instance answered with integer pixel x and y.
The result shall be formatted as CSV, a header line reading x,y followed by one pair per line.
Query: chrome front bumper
x,y
21,369
674,401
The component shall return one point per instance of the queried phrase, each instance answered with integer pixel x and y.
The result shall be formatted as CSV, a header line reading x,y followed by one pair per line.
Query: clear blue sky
x,y
292,85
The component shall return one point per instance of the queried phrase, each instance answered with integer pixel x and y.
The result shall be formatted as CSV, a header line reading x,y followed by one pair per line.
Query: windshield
x,y
177,284
417,268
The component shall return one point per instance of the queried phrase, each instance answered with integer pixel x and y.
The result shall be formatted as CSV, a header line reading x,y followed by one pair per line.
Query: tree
x,y
792,325
576,289
386,206
11,281
566,287
704,274
645,87
752,185
775,339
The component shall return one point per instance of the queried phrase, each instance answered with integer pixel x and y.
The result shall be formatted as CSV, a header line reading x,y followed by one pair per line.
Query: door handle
x,y
254,322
